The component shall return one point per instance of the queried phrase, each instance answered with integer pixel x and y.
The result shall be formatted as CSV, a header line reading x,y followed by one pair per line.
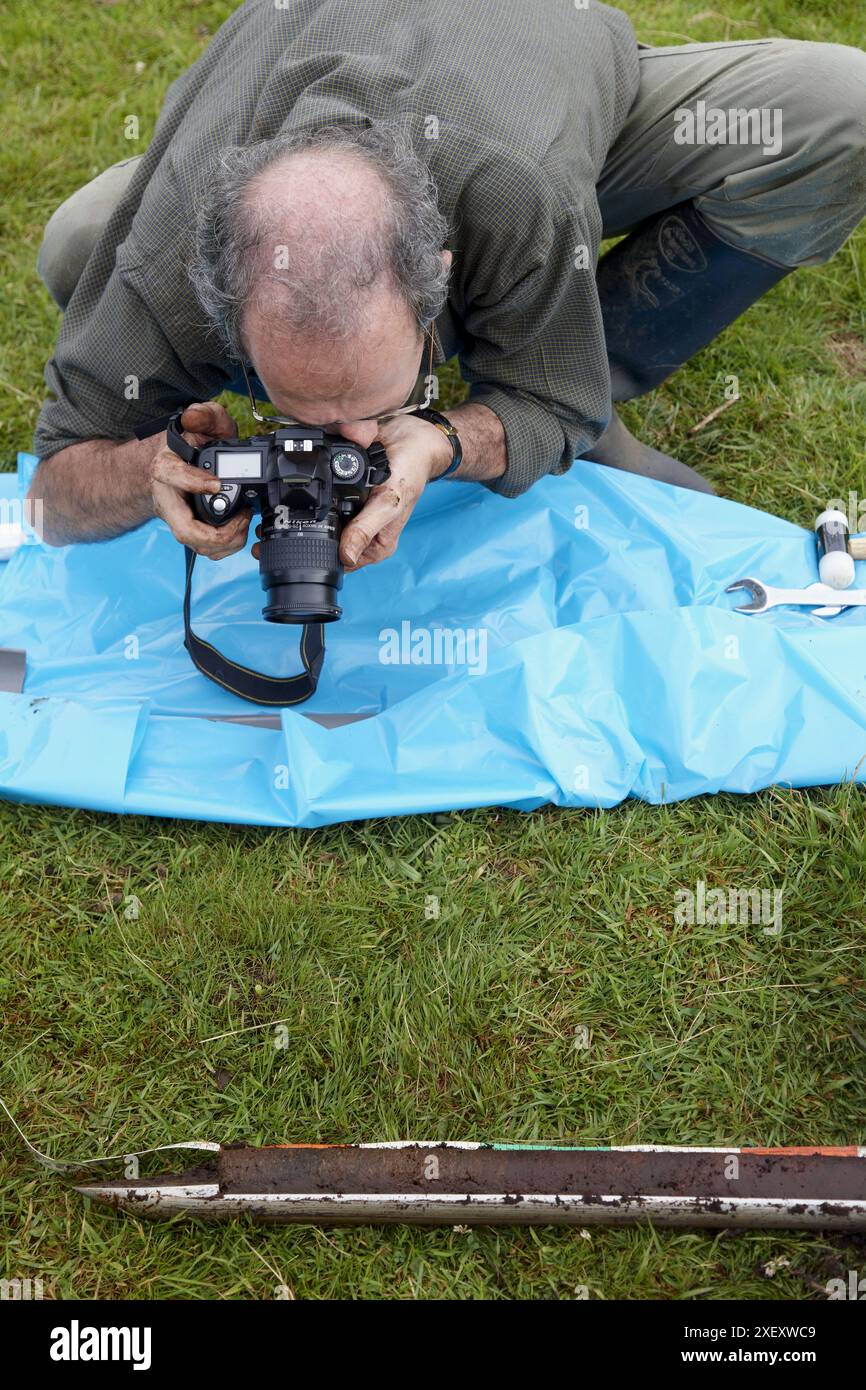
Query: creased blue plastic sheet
x,y
572,646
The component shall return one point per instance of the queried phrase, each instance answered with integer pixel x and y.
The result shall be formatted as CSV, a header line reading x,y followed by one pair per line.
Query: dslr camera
x,y
306,484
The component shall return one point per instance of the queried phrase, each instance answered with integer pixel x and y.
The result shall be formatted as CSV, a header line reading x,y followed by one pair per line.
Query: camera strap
x,y
242,680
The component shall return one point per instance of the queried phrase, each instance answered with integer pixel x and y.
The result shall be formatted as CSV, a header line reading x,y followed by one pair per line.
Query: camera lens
x,y
301,574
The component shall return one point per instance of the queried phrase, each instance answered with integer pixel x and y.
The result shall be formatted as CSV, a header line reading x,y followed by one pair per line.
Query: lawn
x,y
125,1031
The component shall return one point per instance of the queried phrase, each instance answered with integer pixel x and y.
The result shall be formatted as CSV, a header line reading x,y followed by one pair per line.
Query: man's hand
x,y
417,452
172,481
100,488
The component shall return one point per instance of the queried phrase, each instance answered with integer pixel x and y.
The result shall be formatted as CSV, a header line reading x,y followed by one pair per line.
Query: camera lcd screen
x,y
239,465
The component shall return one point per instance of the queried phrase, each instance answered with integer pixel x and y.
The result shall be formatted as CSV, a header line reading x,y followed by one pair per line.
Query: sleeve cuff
x,y
537,443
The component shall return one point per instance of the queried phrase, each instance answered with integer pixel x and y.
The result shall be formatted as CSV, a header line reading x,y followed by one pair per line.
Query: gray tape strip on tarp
x,y
13,665
272,721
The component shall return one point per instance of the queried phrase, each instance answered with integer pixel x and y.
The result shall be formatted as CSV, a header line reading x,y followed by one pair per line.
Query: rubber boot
x,y
618,448
666,291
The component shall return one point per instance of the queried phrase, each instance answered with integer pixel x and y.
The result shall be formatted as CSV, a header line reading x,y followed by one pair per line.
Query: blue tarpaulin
x,y
573,646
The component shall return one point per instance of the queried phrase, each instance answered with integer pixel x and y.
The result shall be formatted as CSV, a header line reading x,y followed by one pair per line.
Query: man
x,y
336,184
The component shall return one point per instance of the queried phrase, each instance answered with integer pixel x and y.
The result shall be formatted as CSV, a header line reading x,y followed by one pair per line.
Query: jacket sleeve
x,y
535,350
115,367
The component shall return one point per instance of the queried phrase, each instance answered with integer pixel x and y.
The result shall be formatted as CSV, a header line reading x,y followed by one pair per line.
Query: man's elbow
x,y
38,503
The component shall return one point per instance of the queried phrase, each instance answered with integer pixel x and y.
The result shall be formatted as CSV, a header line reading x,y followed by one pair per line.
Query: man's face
x,y
343,387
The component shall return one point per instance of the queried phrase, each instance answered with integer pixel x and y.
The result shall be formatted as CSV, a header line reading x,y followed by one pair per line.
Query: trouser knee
x,y
805,192
74,228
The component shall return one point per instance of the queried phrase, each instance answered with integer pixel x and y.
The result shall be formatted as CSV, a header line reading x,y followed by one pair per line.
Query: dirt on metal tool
x,y
487,1184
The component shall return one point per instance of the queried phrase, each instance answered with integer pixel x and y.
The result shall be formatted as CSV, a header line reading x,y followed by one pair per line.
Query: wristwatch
x,y
444,424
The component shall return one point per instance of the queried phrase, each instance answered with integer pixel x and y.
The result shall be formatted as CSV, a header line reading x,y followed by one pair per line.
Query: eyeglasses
x,y
428,393
273,420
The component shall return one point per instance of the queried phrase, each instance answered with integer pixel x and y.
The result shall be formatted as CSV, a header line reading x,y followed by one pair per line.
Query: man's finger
x,y
215,542
210,419
385,505
383,545
169,469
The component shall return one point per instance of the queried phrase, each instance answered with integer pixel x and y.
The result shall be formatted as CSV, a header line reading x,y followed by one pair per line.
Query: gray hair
x,y
322,288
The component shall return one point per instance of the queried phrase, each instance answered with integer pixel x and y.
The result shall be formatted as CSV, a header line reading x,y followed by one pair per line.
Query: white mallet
x,y
835,562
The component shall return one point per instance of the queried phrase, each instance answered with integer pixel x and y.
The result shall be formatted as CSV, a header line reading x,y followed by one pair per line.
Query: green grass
x,y
398,1026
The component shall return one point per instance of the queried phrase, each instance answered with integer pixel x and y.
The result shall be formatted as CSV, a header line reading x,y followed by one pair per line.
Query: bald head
x,y
320,225
320,259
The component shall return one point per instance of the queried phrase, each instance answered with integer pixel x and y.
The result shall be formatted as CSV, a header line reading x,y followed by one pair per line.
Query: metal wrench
x,y
824,601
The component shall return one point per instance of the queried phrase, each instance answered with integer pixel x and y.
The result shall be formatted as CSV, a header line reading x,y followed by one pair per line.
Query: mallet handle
x,y
857,547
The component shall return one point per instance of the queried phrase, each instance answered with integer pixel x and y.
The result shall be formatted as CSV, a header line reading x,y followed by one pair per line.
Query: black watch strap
x,y
450,431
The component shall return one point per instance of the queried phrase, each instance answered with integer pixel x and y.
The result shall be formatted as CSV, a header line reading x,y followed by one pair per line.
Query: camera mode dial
x,y
347,465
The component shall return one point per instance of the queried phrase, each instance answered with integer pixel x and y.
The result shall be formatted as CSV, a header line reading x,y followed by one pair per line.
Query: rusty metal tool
x,y
497,1184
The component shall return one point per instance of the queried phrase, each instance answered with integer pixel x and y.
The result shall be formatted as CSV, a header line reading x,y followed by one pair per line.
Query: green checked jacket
x,y
527,95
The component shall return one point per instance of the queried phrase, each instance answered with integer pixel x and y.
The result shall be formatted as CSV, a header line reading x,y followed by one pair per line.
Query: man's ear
x,y
447,258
